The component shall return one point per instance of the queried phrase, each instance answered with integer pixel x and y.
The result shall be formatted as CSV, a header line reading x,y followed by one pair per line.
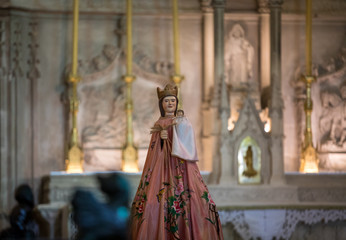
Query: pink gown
x,y
172,200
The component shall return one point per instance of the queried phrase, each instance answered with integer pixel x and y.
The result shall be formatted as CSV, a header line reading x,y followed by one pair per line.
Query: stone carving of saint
x,y
239,55
249,171
333,119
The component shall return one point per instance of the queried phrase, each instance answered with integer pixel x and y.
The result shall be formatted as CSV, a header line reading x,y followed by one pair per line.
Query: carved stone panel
x,y
102,116
329,112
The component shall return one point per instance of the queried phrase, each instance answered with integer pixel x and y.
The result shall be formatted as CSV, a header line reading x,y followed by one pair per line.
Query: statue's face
x,y
169,105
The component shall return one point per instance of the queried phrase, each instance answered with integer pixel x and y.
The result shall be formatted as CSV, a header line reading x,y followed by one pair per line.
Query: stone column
x,y
228,164
276,105
265,43
7,123
219,9
207,83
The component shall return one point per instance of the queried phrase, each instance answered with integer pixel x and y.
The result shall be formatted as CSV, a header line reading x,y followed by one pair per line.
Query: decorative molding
x,y
253,195
329,194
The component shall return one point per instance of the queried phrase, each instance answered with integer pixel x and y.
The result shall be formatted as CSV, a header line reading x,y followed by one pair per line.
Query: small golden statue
x,y
249,171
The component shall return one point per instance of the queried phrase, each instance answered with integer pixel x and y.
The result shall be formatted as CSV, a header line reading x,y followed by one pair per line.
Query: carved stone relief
x,y
102,117
329,117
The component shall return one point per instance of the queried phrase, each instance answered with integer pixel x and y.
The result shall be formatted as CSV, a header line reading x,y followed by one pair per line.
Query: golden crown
x,y
169,90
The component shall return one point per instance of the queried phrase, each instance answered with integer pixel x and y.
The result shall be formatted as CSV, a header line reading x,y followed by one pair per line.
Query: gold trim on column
x,y
74,161
309,157
129,152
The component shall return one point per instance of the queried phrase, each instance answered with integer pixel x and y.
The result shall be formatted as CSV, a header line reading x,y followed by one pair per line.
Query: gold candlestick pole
x,y
74,161
309,159
177,78
130,152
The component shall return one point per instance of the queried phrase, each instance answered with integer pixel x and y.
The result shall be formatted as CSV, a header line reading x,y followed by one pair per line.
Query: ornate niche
x,y
329,112
249,147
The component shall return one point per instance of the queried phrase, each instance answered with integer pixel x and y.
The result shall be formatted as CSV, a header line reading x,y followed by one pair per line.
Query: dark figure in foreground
x,y
98,220
23,225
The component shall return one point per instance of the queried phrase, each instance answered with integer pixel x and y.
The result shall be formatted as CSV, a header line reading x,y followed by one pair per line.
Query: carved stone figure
x,y
249,171
333,118
239,55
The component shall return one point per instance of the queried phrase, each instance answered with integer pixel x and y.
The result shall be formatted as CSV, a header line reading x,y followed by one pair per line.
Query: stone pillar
x,y
265,43
7,123
228,164
219,9
276,105
208,77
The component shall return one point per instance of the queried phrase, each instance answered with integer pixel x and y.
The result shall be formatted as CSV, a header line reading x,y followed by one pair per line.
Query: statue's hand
x,y
164,134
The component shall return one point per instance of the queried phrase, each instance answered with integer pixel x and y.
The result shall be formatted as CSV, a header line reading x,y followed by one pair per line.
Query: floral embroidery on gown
x,y
172,200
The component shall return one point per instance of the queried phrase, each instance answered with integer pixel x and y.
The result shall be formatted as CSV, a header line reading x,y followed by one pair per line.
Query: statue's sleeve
x,y
184,144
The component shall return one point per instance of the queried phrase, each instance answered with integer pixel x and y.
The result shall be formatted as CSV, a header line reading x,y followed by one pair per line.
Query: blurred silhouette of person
x,y
98,220
22,217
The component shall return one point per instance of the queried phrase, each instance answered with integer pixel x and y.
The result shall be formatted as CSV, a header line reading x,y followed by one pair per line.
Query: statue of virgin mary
x,y
172,200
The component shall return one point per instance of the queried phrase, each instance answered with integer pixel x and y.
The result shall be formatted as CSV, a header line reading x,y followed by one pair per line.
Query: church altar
x,y
248,115
252,210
